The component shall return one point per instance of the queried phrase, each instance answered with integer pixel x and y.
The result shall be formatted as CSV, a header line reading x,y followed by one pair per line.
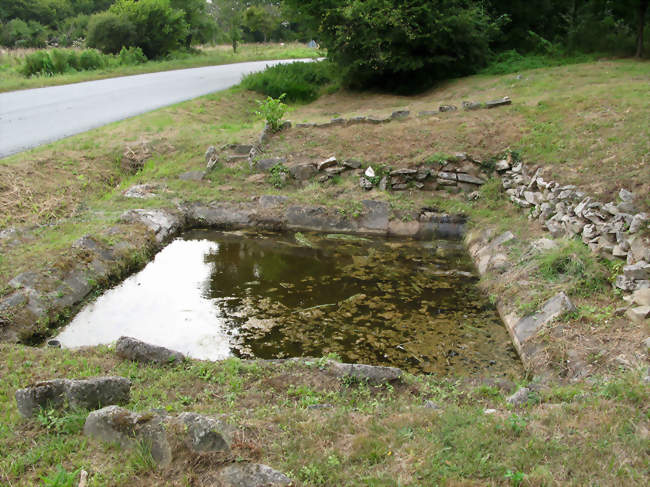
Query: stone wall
x,y
615,230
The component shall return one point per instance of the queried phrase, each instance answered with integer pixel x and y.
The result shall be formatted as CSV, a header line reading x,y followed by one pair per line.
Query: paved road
x,y
31,118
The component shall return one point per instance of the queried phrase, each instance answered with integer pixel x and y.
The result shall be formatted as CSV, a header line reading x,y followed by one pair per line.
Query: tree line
x,y
406,44
156,26
375,43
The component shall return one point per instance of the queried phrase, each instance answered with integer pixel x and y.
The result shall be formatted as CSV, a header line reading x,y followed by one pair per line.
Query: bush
x,y
159,28
60,61
132,55
272,110
36,63
109,32
17,33
91,60
300,81
401,46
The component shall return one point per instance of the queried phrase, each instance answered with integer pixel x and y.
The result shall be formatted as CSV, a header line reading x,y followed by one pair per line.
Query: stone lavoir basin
x,y
212,295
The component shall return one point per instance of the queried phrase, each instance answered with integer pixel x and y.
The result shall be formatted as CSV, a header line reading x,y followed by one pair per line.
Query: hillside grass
x,y
581,434
12,79
586,123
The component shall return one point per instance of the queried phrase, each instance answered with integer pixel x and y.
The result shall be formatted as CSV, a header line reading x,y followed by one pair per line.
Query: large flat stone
x,y
247,475
370,373
83,393
220,215
375,216
554,307
162,223
317,218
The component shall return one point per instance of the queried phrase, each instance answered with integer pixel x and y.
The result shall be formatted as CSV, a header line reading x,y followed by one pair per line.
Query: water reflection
x,y
163,304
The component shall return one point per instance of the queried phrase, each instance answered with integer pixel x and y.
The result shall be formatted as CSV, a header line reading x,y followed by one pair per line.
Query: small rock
x,y
192,176
498,103
370,172
268,164
327,163
638,271
141,191
210,154
489,411
247,475
639,314
646,345
447,108
205,434
372,374
466,178
471,105
625,195
352,164
114,424
303,172
520,397
138,351
320,406
365,183
502,165
432,405
637,222
400,114
641,297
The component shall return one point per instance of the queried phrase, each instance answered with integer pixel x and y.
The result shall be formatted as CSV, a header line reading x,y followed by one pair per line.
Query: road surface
x,y
30,118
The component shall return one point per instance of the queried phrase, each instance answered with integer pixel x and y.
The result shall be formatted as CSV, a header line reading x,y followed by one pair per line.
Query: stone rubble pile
x,y
613,229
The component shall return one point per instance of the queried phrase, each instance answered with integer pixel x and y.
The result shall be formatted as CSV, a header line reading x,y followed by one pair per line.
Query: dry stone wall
x,y
615,230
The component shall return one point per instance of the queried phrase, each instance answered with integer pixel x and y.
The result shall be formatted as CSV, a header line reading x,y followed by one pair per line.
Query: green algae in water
x,y
413,305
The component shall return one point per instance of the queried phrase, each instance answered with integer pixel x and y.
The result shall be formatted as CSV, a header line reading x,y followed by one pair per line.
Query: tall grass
x,y
512,61
301,82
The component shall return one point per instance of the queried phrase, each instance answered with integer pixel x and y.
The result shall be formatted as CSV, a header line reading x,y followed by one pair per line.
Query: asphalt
x,y
31,118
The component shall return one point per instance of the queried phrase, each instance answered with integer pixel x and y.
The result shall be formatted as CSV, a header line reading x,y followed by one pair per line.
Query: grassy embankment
x,y
586,123
12,79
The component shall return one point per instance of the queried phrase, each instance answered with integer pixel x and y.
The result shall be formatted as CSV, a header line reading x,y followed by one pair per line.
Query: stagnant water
x,y
211,295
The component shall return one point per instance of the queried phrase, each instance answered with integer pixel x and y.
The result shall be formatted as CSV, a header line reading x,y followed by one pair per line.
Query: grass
x,y
12,79
573,435
572,119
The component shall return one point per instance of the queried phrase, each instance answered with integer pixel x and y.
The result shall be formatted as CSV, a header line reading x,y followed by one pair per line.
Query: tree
x,y
642,9
262,19
228,15
399,45
201,26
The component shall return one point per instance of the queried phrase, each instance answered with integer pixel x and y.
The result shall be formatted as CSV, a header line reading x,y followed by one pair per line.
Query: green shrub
x,y
131,56
90,60
18,33
109,32
272,110
38,63
301,82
